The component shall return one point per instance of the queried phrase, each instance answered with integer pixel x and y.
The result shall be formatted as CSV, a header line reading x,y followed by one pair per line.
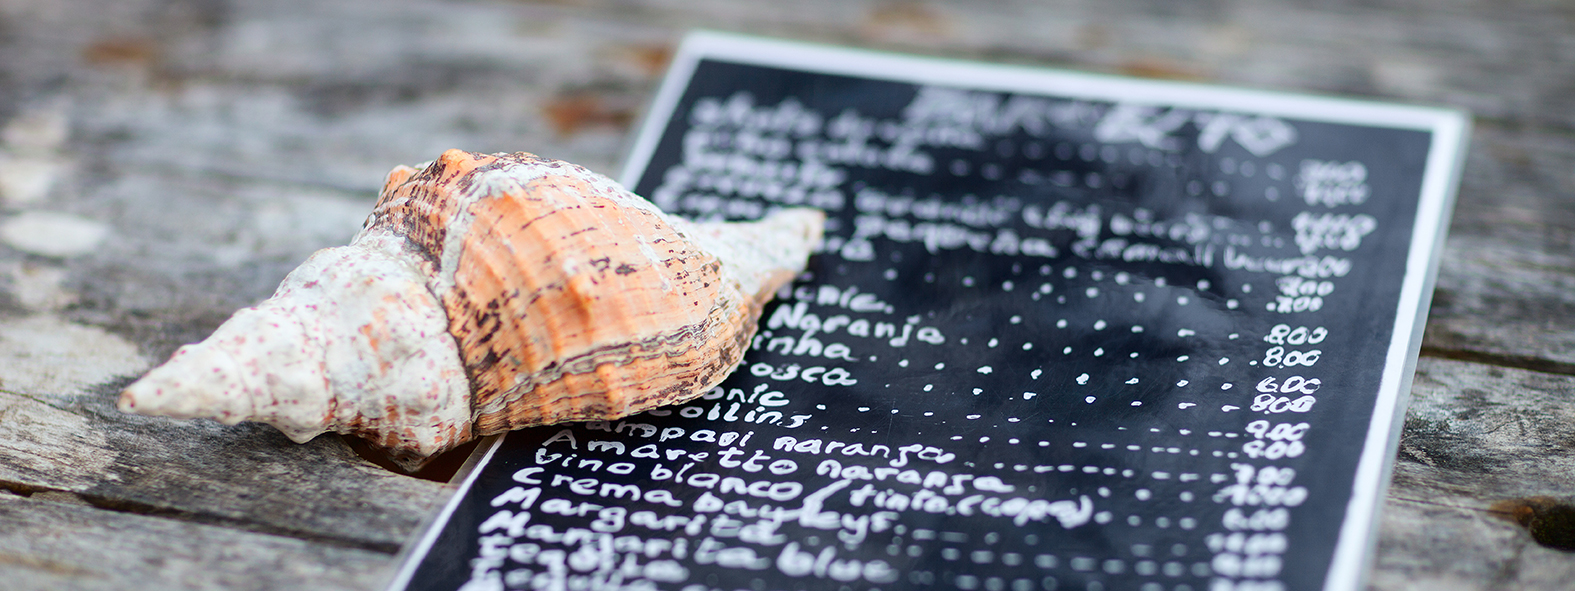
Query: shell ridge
x,y
661,345
509,173
716,371
657,262
444,283
360,286
454,241
428,266
546,191
667,270
726,309
309,288
407,208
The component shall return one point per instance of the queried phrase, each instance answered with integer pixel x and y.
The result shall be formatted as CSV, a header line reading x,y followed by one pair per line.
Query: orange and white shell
x,y
487,293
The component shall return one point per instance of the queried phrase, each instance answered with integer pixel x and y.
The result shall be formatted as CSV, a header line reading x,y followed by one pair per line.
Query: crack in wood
x,y
149,510
46,565
1536,364
133,507
19,489
38,399
1417,501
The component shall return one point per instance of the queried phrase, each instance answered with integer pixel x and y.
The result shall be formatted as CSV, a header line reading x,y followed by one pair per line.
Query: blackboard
x,y
1066,331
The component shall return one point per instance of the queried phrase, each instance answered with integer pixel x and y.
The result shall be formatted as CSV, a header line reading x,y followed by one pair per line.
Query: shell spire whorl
x,y
487,293
351,342
763,255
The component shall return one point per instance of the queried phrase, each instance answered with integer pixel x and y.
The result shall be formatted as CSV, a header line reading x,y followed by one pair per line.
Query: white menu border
x,y
1450,130
414,552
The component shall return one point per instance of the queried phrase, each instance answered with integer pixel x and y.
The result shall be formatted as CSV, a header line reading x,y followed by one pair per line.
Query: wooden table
x,y
163,163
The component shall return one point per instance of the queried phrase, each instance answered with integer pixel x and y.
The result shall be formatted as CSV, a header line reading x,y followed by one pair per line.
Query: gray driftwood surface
x,y
186,154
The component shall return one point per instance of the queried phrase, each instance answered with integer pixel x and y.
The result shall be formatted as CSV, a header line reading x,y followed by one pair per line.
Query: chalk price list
x,y
1248,553
1010,367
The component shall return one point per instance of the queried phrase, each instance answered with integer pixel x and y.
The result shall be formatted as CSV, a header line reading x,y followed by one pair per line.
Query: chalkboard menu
x,y
1066,332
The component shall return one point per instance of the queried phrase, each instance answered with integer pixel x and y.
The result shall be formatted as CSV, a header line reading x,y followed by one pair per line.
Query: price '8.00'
x,y
1279,357
1283,334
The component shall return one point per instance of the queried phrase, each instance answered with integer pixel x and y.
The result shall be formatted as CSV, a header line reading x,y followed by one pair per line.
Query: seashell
x,y
487,293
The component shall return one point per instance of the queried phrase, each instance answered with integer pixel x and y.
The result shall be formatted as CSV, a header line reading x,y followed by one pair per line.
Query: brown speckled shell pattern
x,y
570,299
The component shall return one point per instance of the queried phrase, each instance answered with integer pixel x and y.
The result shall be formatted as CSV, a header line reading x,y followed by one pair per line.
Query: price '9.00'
x,y
1283,440
1271,404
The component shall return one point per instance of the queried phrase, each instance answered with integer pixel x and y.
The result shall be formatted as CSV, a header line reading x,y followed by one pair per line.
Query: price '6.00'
x,y
1268,401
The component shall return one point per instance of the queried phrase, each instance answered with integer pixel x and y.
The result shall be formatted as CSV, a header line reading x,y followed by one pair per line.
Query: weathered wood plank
x,y
1507,283
221,142
1477,438
327,128
1503,60
59,546
320,132
60,432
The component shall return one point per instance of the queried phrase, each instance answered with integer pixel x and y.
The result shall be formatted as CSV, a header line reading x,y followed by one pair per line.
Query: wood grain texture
x,y
1477,437
247,476
49,545
1506,289
222,141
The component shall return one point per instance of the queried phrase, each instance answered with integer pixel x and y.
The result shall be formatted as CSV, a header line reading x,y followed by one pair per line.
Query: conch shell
x,y
487,293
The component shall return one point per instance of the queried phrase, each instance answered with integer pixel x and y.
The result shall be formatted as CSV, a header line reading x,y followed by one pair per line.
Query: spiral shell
x,y
487,293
